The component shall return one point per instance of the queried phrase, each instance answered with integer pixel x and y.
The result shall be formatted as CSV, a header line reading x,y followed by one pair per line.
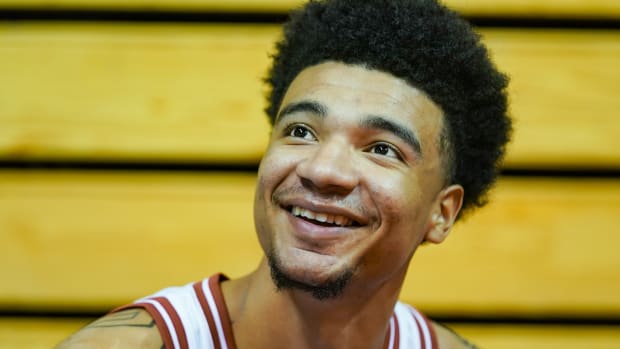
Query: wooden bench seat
x,y
92,241
508,336
179,93
506,8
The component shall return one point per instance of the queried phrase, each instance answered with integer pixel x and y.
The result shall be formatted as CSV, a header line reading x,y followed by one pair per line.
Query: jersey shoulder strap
x,y
190,316
414,329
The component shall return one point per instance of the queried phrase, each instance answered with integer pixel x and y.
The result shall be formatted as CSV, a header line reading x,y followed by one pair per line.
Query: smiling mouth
x,y
322,219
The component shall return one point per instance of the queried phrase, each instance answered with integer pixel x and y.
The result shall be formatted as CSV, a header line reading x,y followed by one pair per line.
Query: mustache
x,y
351,202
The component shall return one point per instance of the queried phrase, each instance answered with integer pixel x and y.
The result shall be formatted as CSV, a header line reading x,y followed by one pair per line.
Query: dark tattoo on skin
x,y
463,340
121,320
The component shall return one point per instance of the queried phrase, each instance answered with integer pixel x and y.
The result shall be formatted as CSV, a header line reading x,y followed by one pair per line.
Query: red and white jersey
x,y
195,316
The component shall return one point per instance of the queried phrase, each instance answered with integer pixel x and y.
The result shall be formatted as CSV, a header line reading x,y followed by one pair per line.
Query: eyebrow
x,y
370,122
313,107
402,132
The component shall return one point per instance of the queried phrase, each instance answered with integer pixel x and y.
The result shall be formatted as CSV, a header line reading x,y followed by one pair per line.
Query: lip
x,y
358,218
315,233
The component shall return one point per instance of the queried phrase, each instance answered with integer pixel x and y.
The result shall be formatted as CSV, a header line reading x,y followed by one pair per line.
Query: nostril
x,y
320,177
330,164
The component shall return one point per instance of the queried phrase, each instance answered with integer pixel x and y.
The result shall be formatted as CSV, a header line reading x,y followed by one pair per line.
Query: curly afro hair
x,y
424,43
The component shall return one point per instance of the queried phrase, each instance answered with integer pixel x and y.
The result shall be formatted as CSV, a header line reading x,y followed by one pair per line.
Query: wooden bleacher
x,y
600,9
103,124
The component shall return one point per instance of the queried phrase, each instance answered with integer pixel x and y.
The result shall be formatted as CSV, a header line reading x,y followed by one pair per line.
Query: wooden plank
x,y
160,93
193,93
28,333
563,96
532,8
95,240
119,235
37,333
542,246
528,8
540,336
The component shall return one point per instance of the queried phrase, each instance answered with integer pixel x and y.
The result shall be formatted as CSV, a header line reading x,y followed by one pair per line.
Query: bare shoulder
x,y
448,339
132,328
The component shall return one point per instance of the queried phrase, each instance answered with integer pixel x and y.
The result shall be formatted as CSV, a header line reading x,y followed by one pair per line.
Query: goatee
x,y
331,289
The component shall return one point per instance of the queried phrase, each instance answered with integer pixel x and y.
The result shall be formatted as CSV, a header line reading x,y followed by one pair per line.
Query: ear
x,y
444,213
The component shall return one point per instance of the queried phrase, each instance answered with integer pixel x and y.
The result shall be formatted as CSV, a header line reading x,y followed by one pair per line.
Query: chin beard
x,y
330,289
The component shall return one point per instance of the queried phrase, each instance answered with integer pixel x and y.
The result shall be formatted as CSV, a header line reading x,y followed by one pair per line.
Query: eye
x,y
385,149
300,131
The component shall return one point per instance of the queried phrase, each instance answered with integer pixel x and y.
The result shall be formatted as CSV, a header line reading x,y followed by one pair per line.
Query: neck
x,y
357,319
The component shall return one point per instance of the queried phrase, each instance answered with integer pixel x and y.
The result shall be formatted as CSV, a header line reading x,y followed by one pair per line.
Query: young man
x,y
389,121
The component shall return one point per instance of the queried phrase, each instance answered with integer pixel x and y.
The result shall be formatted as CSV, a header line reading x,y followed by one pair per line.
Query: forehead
x,y
357,78
353,92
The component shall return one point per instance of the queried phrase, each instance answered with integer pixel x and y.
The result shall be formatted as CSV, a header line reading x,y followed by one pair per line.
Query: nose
x,y
330,168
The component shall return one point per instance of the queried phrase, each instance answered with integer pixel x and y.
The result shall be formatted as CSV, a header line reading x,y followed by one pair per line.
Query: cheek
x,y
277,162
402,206
262,199
269,177
393,195
273,171
268,172
260,214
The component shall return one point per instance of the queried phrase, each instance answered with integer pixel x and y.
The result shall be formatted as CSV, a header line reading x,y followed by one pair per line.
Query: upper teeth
x,y
322,217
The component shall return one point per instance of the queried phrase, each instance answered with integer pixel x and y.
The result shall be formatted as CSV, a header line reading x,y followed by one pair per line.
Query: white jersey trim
x,y
425,331
407,328
164,315
215,313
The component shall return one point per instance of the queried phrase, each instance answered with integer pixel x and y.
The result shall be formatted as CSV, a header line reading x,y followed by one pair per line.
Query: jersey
x,y
195,316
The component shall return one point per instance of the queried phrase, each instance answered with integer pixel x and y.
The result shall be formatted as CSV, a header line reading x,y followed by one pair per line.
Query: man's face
x,y
351,178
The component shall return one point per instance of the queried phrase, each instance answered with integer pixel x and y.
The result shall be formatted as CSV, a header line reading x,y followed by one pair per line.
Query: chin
x,y
319,285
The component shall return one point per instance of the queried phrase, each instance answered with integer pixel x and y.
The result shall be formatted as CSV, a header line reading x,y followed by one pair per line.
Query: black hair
x,y
424,43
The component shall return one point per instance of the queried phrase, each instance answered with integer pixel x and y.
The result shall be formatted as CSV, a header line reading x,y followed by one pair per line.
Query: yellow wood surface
x,y
529,8
193,93
563,95
37,333
542,246
93,241
44,333
176,93
540,336
100,239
